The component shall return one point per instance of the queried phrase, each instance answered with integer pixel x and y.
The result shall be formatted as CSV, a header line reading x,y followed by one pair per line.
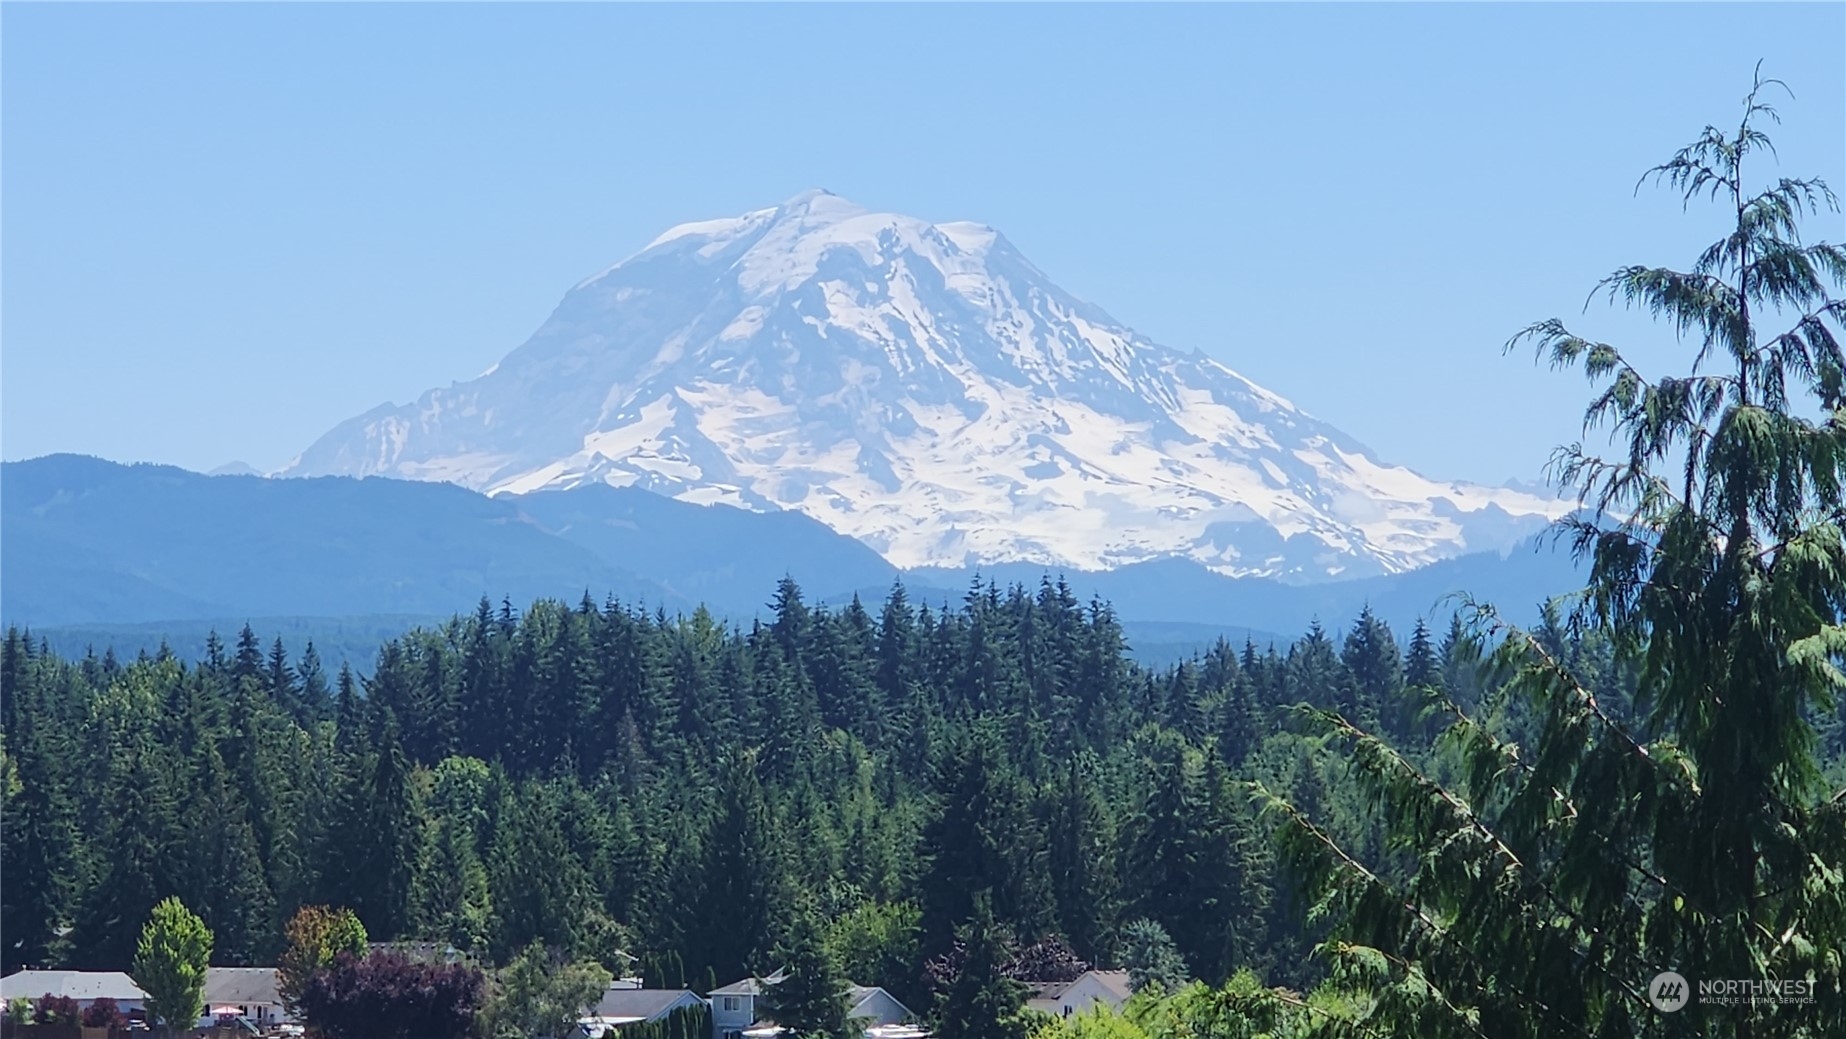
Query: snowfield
x,y
924,388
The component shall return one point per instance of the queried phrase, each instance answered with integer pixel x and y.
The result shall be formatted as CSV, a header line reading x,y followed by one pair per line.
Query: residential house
x,y
246,992
625,1004
84,986
737,1007
876,1007
733,1007
1064,998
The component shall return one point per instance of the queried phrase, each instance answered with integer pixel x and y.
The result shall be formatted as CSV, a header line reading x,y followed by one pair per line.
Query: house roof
x,y
748,986
422,952
858,994
643,1004
241,986
1114,982
76,984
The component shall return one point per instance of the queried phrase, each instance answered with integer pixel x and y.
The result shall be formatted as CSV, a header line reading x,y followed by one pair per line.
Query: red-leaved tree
x,y
389,996
55,1010
104,1012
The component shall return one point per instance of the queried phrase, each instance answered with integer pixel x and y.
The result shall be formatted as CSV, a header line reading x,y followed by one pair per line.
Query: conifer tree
x,y
248,661
1460,655
281,680
1371,658
1153,962
314,697
978,1000
1422,668
981,838
38,843
810,1000
1557,882
230,887
385,849
1081,861
138,841
454,901
1316,674
743,882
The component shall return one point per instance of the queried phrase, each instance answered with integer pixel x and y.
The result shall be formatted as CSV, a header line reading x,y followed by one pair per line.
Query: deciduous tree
x,y
314,936
170,964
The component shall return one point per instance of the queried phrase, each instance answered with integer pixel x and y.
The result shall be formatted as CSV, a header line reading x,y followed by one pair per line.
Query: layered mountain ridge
x,y
925,389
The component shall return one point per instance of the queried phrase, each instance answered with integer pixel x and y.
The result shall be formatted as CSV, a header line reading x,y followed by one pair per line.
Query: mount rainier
x,y
927,390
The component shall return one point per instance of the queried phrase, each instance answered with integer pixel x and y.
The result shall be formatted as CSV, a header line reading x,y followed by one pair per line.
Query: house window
x,y
730,1003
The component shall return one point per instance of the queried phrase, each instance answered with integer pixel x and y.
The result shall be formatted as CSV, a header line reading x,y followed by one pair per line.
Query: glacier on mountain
x,y
926,389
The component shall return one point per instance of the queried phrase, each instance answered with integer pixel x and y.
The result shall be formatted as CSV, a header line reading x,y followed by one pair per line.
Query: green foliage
x,y
744,880
453,899
982,838
313,937
810,1000
1013,749
875,943
1241,1009
684,1023
1153,961
979,1001
1587,843
170,963
38,829
539,995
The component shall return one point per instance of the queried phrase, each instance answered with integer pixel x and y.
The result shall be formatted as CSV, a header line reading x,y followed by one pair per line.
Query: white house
x,y
84,986
246,992
735,1008
1064,998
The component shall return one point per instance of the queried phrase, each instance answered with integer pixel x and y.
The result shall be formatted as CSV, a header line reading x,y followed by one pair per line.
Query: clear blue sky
x,y
229,226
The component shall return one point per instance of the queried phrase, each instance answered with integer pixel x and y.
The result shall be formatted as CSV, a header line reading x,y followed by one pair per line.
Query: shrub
x,y
55,1010
104,1013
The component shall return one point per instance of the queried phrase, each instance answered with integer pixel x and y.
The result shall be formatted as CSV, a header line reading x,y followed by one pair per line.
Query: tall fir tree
x,y
1558,880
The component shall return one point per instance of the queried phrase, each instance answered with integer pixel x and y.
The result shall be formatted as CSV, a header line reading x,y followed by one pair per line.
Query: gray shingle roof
x,y
644,1003
858,994
77,984
241,986
1115,982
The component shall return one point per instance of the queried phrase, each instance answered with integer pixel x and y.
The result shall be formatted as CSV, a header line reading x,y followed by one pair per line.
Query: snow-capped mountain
x,y
926,389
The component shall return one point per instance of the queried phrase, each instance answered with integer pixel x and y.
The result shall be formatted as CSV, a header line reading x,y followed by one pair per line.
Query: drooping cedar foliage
x,y
1557,872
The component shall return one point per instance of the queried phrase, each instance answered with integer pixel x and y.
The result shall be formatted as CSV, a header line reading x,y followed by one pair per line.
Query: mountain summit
x,y
926,389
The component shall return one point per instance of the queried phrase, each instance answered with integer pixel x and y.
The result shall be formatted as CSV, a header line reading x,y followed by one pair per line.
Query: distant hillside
x,y
96,553
715,554
1179,592
90,542
84,541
